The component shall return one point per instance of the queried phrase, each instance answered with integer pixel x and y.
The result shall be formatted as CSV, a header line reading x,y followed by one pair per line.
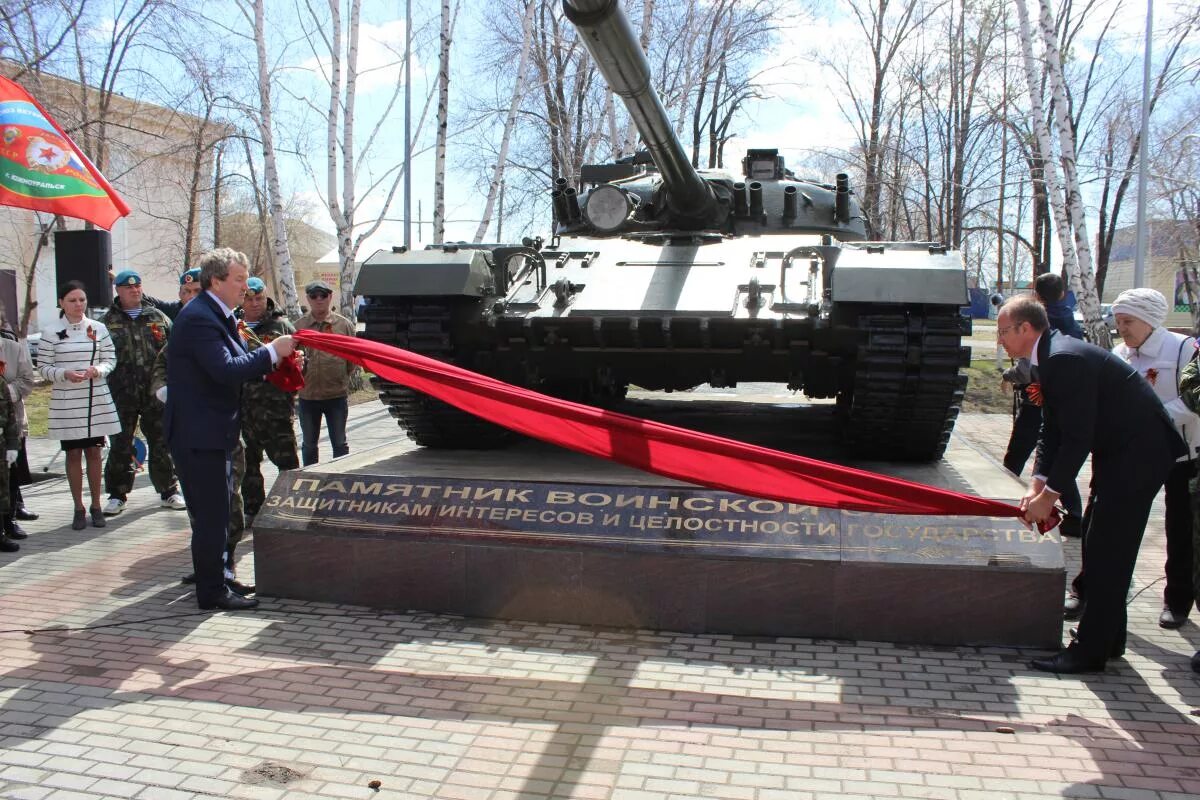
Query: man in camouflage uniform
x,y
1189,391
267,410
237,517
139,331
10,426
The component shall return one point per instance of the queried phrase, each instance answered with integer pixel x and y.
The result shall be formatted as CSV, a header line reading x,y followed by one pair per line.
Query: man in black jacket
x,y
1094,403
1028,419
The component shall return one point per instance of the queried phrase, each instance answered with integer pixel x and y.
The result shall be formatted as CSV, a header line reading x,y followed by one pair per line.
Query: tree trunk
x,y
510,121
443,114
283,256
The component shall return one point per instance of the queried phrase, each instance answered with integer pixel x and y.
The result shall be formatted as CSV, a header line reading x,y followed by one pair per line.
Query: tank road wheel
x,y
427,328
906,390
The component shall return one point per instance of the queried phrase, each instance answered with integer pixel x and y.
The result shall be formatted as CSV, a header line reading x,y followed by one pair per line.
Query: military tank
x,y
667,277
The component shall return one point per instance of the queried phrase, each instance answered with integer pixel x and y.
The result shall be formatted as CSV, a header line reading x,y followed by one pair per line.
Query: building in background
x,y
1171,264
153,155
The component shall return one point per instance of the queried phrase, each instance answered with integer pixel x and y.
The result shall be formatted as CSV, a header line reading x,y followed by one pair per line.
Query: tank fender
x,y
426,273
899,273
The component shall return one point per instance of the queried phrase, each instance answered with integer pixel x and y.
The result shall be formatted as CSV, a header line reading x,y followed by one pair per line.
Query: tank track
x,y
907,390
425,327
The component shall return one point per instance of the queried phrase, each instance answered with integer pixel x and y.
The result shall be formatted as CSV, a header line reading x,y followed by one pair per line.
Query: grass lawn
x,y
984,394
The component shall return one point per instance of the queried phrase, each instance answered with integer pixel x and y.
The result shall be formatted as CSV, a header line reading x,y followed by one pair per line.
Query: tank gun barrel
x,y
607,35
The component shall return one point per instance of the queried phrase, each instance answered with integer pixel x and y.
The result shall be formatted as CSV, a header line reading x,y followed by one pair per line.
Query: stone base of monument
x,y
537,533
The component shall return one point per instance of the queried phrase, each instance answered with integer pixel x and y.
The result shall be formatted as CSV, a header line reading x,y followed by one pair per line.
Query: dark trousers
x,y
1179,592
1027,426
1123,490
18,475
335,411
207,480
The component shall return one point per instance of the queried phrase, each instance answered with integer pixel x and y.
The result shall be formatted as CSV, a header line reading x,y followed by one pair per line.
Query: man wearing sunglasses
x,y
326,389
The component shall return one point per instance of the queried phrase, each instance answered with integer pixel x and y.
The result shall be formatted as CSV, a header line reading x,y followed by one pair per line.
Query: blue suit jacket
x,y
207,364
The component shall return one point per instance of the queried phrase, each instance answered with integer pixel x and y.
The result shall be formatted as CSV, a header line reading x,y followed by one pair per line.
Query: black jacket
x,y
1095,402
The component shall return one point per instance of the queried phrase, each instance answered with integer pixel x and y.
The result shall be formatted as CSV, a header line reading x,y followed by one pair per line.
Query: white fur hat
x,y
1148,305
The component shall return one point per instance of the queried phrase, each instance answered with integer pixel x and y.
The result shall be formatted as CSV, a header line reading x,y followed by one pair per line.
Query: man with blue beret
x,y
139,331
189,287
267,410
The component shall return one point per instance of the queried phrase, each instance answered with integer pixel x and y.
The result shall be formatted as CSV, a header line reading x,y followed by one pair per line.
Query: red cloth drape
x,y
700,458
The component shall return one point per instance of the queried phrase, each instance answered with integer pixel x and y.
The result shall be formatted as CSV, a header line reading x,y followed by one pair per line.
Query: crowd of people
x,y
1134,412
202,405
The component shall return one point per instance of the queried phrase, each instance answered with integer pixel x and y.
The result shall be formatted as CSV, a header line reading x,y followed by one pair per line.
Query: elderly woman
x,y
1160,356
76,354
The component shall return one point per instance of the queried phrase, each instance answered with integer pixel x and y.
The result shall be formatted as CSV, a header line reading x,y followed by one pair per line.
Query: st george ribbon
x,y
674,452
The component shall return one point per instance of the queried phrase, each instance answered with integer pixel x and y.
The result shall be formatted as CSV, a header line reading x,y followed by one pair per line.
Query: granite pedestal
x,y
542,534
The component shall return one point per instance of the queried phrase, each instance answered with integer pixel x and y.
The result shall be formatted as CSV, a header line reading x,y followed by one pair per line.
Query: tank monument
x,y
664,277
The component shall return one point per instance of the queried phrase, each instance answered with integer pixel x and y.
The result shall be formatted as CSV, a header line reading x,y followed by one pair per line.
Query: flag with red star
x,y
42,169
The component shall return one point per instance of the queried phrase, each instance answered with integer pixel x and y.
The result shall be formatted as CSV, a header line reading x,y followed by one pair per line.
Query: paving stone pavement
x,y
123,690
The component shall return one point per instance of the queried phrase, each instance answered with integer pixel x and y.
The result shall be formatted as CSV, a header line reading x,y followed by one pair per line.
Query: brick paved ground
x,y
306,700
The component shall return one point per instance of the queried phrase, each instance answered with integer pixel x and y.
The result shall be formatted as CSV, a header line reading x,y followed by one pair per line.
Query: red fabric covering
x,y
700,458
287,375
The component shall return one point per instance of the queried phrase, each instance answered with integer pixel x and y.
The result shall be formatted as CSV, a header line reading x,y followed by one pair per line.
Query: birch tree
x,y
263,118
510,121
443,126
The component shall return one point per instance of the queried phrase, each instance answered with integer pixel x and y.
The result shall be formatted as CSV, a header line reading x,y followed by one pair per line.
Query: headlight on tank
x,y
608,208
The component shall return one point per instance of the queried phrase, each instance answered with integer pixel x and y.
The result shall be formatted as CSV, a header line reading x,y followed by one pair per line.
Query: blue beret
x,y
256,285
191,276
128,277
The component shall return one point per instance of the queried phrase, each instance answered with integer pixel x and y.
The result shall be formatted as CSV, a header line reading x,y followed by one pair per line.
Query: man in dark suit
x,y
207,363
1094,403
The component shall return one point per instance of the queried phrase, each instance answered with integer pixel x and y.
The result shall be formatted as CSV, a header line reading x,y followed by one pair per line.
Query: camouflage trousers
x,y
237,512
121,467
276,437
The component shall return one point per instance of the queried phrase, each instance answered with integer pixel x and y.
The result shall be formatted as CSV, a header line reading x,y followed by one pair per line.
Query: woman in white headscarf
x,y
1160,356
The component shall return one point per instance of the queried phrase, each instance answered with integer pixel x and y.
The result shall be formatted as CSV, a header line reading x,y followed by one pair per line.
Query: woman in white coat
x,y
75,355
1160,356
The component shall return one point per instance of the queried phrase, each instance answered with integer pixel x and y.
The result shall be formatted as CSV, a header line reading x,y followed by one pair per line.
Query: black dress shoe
x,y
1073,607
238,588
16,532
23,514
230,602
1196,662
1167,619
1067,662
189,578
7,545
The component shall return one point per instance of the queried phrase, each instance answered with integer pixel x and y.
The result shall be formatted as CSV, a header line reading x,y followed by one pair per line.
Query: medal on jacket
x,y
1152,376
91,333
1034,392
156,330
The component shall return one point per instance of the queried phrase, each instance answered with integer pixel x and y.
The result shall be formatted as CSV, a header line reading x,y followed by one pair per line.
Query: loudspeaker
x,y
85,256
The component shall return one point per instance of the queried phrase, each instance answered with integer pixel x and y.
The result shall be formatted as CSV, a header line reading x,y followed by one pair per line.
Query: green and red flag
x,y
42,169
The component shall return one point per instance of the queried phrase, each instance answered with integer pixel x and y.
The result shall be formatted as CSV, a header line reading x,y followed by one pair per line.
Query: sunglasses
x,y
317,295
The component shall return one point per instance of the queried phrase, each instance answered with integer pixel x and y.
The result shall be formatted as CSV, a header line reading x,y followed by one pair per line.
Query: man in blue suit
x,y
207,363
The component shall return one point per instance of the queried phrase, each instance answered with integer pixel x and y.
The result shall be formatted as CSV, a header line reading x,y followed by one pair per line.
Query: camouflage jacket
x,y
10,424
138,342
261,394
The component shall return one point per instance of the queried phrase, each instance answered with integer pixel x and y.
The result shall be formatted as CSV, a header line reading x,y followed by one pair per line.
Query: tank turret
x,y
666,277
